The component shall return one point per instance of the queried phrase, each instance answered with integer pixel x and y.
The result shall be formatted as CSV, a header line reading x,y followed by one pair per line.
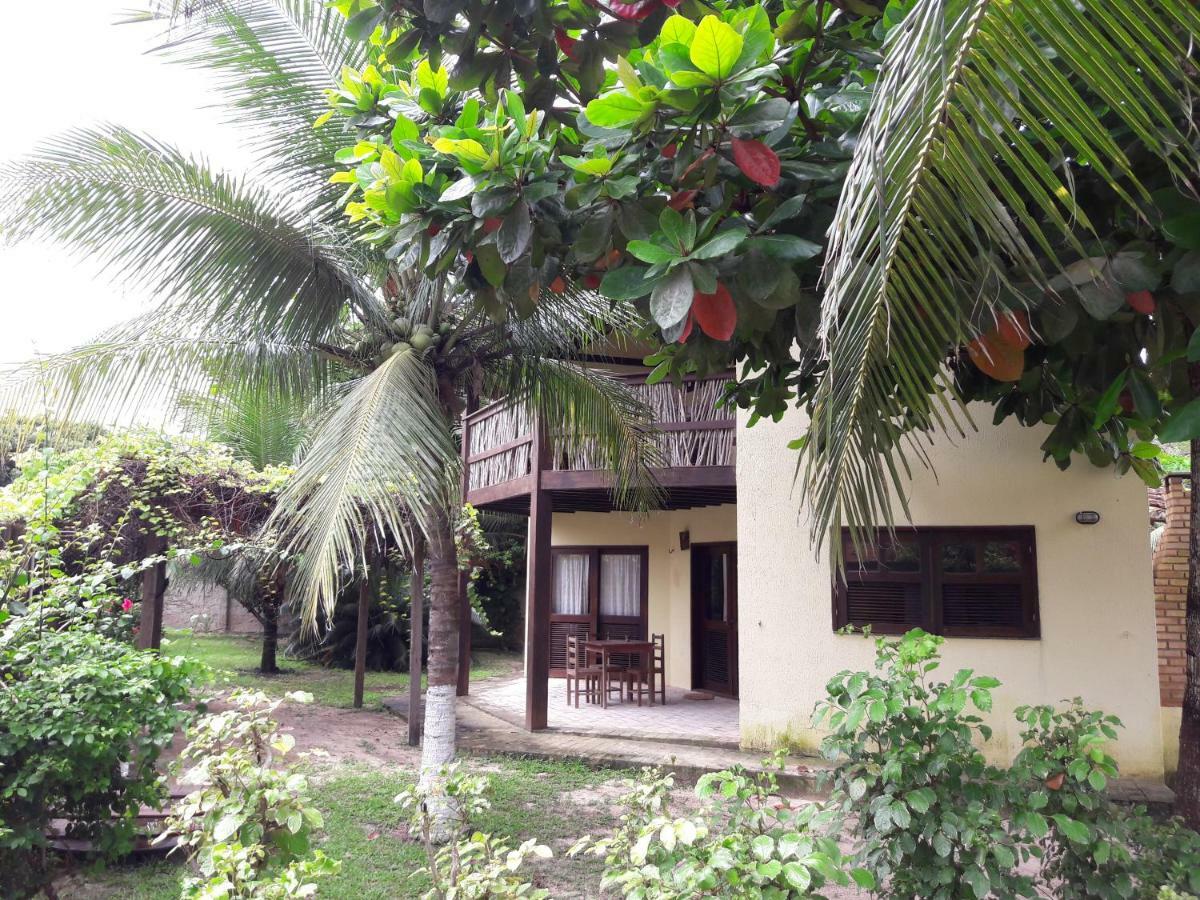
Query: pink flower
x,y
126,605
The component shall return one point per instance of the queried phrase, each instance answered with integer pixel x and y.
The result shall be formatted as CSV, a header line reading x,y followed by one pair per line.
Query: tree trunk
x,y
1187,780
270,646
438,745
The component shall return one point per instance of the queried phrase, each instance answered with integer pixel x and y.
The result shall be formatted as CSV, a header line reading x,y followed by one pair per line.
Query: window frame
x,y
931,579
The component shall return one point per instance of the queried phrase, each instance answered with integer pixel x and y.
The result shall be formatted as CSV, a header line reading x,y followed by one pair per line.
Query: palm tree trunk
x,y
1187,780
267,663
438,743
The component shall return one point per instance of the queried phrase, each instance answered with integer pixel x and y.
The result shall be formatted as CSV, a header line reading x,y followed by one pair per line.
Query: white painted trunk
x,y
437,750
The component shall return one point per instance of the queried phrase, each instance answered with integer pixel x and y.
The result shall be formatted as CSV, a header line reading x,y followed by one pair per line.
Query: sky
x,y
99,72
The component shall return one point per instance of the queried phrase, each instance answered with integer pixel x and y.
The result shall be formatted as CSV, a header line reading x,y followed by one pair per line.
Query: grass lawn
x,y
366,831
235,659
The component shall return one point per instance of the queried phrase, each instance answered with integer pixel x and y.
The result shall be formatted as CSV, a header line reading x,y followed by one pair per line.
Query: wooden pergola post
x,y
537,589
360,641
464,601
154,586
416,640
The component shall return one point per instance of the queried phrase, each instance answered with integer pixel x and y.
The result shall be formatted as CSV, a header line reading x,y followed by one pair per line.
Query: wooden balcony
x,y
506,463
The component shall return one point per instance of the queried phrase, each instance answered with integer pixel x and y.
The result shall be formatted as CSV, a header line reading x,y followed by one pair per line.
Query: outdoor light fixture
x,y
1087,517
685,540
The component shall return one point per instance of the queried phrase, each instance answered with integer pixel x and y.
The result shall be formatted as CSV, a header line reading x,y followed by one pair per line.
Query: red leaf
x,y
631,11
492,224
558,285
565,42
669,151
757,161
996,358
715,313
682,200
1013,329
687,329
1142,301
591,281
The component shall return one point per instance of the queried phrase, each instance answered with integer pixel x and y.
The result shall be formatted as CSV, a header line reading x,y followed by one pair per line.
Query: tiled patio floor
x,y
713,721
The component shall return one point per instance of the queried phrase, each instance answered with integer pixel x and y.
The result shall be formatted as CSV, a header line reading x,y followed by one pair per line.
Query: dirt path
x,y
338,737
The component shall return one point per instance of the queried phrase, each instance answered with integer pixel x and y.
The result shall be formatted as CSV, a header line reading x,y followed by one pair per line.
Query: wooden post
x,y
464,601
537,590
416,640
154,586
360,641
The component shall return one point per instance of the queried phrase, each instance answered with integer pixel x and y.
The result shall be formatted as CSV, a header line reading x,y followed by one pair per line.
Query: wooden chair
x,y
639,678
579,671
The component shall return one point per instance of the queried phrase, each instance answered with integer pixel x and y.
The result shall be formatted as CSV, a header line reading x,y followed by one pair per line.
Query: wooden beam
x,y
538,581
360,640
154,587
464,578
416,641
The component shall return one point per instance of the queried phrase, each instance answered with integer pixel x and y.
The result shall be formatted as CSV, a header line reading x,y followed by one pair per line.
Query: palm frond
x,y
139,369
262,425
271,62
219,251
384,456
960,186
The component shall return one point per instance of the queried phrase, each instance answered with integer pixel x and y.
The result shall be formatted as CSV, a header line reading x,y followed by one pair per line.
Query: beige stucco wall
x,y
669,576
1171,718
1096,597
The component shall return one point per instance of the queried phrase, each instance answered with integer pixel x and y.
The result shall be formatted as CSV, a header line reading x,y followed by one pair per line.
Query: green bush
x,y
249,824
925,808
931,819
747,841
1091,847
83,721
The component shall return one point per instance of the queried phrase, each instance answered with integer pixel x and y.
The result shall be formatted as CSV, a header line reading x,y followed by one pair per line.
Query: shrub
x,y
470,865
746,842
83,721
1091,847
926,809
249,824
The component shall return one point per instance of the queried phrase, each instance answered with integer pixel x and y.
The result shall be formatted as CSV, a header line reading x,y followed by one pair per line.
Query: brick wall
x,y
1170,591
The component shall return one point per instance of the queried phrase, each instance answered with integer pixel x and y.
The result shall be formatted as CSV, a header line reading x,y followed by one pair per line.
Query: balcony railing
x,y
691,432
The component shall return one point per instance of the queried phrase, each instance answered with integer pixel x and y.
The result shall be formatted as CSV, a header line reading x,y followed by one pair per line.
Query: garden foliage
x,y
83,722
249,823
469,865
931,818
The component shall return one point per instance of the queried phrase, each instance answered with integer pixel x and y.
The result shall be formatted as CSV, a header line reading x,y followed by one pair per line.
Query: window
x,y
967,582
596,592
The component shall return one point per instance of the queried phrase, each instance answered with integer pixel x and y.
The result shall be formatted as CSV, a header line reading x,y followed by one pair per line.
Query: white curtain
x,y
620,584
570,584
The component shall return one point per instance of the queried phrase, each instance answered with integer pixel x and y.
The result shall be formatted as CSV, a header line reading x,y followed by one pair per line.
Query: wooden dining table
x,y
604,649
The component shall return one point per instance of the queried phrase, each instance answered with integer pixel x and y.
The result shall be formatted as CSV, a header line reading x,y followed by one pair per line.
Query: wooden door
x,y
714,618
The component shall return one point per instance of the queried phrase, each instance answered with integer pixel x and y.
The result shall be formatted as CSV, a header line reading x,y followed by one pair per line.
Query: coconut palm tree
x,y
263,285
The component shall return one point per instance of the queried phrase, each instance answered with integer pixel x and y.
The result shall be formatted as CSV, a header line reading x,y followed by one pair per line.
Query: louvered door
x,y
714,618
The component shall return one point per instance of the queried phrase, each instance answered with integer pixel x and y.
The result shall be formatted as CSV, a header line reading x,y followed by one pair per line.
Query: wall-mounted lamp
x,y
1087,517
685,540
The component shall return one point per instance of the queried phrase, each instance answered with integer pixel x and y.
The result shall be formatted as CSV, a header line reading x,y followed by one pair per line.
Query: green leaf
x,y
721,243
490,264
650,252
1145,395
1193,347
615,110
1097,780
1183,424
797,875
863,878
1185,279
626,283
1109,400
1074,830
672,298
979,882
404,130
512,239
715,48
786,246
677,30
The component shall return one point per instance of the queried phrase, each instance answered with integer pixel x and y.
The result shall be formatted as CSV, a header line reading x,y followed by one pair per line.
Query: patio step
x,y
483,733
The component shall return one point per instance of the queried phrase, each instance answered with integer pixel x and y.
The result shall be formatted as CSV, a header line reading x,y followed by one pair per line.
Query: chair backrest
x,y
573,651
660,649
